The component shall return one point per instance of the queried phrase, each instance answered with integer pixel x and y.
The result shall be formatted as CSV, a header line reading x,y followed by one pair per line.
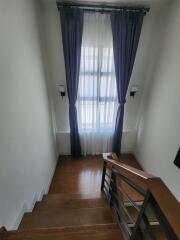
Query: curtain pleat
x,y
72,28
126,29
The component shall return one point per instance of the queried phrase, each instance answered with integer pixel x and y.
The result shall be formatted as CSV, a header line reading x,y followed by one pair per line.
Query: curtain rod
x,y
99,7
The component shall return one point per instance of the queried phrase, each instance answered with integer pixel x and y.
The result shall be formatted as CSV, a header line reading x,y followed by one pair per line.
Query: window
x,y
97,94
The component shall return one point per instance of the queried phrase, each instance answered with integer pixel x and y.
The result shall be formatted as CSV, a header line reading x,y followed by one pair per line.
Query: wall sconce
x,y
62,90
133,91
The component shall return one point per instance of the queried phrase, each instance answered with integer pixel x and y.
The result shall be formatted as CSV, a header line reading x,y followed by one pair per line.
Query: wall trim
x,y
128,141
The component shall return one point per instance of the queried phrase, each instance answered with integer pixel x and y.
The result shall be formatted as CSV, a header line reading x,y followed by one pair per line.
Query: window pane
x,y
108,88
87,86
107,110
89,58
107,60
88,114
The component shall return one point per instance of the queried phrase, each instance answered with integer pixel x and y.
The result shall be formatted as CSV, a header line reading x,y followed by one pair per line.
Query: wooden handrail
x,y
167,203
163,196
113,160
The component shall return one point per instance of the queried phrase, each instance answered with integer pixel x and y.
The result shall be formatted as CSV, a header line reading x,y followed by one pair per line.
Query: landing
x,y
82,176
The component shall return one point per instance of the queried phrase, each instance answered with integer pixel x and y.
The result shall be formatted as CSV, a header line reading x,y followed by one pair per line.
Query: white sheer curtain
x,y
97,96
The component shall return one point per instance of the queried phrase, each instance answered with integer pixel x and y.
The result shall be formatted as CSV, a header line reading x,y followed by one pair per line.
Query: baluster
x,y
103,175
113,189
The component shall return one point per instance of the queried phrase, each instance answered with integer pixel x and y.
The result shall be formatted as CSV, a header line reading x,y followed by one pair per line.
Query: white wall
x,y
57,74
158,137
27,147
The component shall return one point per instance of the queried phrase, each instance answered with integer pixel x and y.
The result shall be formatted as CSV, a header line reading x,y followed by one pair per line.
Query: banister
x,y
113,160
166,201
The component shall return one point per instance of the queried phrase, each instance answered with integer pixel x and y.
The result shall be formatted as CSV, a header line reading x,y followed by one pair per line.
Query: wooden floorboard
x,y
83,176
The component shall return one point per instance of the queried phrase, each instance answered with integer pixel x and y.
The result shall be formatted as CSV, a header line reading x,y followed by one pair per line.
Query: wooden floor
x,y
83,176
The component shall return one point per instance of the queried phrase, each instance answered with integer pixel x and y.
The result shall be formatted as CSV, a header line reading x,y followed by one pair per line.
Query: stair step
x,y
55,204
98,232
56,196
67,217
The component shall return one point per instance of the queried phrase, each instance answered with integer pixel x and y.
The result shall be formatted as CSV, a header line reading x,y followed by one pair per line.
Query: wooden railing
x,y
143,205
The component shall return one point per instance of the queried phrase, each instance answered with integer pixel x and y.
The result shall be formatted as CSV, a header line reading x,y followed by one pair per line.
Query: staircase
x,y
130,205
65,213
68,216
55,211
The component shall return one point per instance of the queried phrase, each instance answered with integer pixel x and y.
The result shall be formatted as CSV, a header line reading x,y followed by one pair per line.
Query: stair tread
x,y
100,232
67,217
55,203
94,195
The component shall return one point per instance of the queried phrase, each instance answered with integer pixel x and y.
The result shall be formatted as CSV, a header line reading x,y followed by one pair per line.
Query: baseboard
x,y
52,175
23,210
26,209
41,194
36,198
